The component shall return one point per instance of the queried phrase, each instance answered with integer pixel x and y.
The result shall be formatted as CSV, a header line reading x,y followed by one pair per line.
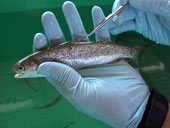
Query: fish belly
x,y
87,62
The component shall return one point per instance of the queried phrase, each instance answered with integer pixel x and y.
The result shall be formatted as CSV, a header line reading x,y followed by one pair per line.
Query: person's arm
x,y
167,120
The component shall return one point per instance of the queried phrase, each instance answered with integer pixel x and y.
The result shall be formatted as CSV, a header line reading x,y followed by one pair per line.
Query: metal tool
x,y
108,18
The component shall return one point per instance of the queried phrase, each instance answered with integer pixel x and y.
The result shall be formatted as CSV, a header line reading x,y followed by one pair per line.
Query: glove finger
x,y
118,3
67,78
52,28
149,22
39,42
98,16
127,14
60,89
74,21
127,26
142,22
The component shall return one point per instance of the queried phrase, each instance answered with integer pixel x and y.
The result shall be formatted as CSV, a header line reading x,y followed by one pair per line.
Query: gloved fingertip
x,y
68,5
44,68
118,3
97,14
46,15
95,8
39,42
39,36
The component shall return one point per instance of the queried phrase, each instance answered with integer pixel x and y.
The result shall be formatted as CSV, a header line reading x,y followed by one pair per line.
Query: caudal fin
x,y
139,52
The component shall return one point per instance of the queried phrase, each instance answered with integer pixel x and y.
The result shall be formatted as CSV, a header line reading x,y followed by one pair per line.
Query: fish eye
x,y
21,68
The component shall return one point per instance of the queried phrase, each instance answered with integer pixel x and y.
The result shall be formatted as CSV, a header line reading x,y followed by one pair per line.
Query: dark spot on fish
x,y
68,125
50,104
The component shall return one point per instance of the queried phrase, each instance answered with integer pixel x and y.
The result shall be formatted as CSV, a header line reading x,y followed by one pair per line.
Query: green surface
x,y
19,21
7,6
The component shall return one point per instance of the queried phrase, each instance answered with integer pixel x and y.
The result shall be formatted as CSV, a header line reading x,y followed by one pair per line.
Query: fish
x,y
77,55
52,103
29,85
68,125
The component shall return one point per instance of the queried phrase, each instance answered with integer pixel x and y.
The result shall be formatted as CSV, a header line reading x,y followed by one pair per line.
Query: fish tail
x,y
139,52
55,101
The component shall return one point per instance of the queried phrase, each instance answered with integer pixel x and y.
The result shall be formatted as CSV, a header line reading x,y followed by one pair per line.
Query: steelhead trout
x,y
75,54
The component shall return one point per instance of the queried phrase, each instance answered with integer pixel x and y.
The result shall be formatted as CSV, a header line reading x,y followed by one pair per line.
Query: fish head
x,y
26,69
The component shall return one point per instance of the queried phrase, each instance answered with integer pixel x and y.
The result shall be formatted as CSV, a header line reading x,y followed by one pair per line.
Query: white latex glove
x,y
151,18
113,93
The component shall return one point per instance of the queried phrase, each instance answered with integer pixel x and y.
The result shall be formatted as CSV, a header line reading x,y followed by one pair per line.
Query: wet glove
x,y
151,18
113,93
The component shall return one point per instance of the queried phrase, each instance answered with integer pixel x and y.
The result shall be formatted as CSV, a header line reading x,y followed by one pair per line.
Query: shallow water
x,y
17,100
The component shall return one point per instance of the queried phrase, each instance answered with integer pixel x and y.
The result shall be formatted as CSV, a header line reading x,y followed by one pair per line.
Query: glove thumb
x,y
160,7
64,78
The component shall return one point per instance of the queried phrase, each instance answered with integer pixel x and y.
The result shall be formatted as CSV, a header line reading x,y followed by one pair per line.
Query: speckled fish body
x,y
77,55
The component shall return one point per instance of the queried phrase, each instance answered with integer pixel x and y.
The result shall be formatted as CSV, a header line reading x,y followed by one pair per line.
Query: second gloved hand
x,y
114,93
151,18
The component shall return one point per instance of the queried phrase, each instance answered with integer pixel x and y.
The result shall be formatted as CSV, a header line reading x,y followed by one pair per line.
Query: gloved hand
x,y
113,93
151,18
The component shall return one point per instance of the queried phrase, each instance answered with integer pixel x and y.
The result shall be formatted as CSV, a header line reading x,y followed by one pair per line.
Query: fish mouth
x,y
18,75
32,74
